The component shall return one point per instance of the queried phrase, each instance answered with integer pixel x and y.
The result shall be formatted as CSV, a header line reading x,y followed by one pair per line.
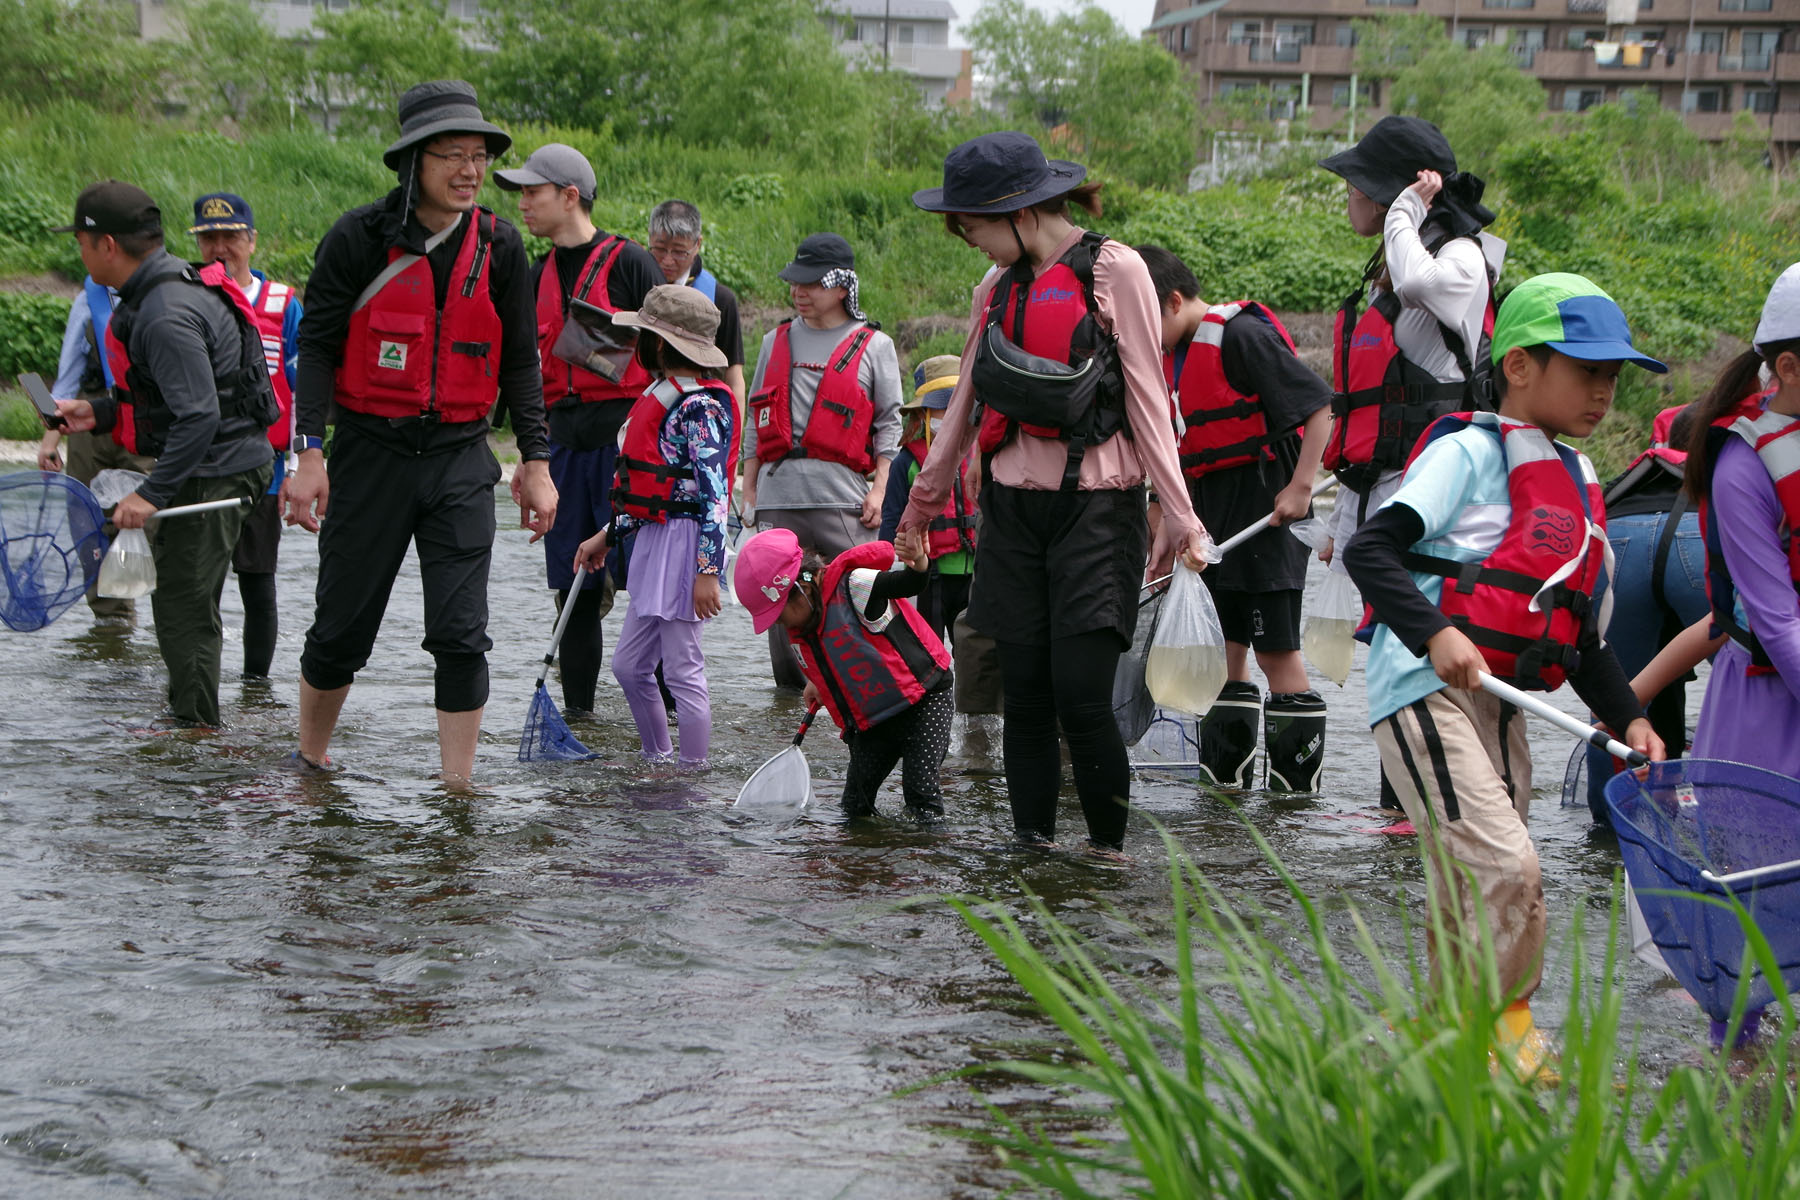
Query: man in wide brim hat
x,y
419,324
436,107
999,173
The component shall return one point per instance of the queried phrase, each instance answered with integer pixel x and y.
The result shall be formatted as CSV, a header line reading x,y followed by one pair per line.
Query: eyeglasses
x,y
458,160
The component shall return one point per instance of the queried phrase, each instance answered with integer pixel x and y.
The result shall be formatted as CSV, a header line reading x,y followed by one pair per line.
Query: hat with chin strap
x,y
438,107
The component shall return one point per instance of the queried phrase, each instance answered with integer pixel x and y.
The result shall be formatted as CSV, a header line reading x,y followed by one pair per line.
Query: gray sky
x,y
1133,14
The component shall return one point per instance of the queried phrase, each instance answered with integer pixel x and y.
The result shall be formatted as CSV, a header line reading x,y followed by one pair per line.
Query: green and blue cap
x,y
1572,316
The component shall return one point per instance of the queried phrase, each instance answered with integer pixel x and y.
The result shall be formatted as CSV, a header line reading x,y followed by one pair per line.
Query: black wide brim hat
x,y
999,173
1390,156
438,107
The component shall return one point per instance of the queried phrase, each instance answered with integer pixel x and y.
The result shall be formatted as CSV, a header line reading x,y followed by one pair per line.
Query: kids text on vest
x,y
869,657
1742,469
1251,420
1490,557
678,451
1659,582
1409,342
950,538
1061,386
224,230
584,407
824,410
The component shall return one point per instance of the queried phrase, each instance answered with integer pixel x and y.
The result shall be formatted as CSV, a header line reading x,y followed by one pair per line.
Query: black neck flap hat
x,y
999,173
437,107
1388,160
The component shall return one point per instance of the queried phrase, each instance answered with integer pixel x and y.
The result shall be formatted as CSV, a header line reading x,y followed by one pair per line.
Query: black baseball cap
x,y
113,207
817,254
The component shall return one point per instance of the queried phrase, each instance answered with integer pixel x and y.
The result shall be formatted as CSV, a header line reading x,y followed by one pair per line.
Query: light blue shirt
x,y
71,364
1458,487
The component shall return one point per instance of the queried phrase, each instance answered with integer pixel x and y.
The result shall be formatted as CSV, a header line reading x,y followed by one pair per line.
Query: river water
x,y
221,978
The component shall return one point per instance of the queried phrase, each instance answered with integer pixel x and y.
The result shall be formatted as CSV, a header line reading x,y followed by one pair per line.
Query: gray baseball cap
x,y
553,163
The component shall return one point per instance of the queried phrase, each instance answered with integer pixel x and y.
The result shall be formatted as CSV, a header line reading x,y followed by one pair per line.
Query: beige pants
x,y
1461,766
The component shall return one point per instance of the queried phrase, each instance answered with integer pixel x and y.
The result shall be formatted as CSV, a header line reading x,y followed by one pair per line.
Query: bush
x,y
31,330
19,420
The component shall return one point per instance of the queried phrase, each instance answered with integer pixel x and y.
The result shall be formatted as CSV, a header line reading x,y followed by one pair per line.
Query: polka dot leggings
x,y
918,739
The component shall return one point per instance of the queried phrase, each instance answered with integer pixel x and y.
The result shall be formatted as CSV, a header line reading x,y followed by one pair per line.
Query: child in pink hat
x,y
869,656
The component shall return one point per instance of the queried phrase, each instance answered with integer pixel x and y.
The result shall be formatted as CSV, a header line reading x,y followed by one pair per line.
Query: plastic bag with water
x,y
129,571
1329,640
1186,667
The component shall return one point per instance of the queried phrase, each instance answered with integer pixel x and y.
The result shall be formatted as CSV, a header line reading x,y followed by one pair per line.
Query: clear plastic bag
x,y
129,571
114,484
1186,667
1329,641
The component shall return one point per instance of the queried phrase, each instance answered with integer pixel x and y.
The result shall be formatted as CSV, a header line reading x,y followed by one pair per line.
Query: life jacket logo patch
x,y
1554,530
762,416
392,356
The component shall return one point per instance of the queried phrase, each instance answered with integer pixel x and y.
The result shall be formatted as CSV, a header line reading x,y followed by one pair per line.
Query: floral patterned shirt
x,y
697,432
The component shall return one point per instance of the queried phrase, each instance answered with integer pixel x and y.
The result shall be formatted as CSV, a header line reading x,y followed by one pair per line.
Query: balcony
x,y
1266,58
919,59
1580,66
1787,68
1757,65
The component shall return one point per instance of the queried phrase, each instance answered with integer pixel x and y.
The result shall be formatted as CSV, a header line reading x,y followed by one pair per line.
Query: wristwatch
x,y
306,441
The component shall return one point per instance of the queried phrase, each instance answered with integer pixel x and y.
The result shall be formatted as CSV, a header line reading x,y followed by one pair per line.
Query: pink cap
x,y
766,569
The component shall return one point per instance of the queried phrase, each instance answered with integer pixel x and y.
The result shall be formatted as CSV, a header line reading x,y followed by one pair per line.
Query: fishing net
x,y
547,737
51,545
1692,815
1171,743
1133,709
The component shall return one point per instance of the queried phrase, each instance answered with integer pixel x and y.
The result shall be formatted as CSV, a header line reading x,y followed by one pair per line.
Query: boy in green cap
x,y
1490,558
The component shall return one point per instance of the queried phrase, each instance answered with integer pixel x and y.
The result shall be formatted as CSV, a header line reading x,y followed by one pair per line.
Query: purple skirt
x,y
665,558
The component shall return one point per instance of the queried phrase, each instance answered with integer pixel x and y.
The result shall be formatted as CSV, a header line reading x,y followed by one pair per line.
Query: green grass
x,y
19,420
1267,1060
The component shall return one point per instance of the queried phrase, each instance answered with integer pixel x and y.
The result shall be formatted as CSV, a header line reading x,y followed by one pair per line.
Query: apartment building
x,y
1707,59
911,36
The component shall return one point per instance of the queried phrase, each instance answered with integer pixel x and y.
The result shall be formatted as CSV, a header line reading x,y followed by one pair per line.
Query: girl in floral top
x,y
677,456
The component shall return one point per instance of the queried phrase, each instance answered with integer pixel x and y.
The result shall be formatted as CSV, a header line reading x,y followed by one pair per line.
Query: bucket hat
x,y
436,107
766,569
933,381
682,317
1390,156
1572,316
999,173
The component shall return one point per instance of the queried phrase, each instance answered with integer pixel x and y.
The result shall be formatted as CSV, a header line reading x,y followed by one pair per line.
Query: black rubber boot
x,y
1294,740
1228,738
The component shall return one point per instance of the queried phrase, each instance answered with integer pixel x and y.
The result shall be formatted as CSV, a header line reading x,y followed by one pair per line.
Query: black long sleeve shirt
x,y
1375,560
351,254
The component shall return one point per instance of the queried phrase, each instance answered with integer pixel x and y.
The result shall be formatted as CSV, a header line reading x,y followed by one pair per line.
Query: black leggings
x,y
917,739
1068,683
583,647
260,622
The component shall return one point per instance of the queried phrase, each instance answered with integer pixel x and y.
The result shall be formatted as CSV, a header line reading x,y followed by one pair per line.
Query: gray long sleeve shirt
x,y
185,338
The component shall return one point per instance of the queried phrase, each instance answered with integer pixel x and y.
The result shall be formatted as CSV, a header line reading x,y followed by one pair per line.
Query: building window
x,y
1759,99
1243,32
1508,3
1393,3
1580,99
1477,36
1706,41
1743,5
1581,39
1344,35
905,35
1187,36
1340,94
1705,100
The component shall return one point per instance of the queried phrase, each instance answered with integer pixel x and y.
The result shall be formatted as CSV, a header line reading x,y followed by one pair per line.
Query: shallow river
x,y
220,978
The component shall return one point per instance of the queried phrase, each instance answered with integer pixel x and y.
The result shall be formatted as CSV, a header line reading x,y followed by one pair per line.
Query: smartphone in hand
x,y
33,383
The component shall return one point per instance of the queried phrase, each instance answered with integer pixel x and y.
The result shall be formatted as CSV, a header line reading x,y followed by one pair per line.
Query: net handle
x,y
1245,534
1737,877
1562,720
562,623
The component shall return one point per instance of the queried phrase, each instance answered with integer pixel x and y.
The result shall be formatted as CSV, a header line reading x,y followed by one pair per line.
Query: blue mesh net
x,y
547,737
1698,814
51,545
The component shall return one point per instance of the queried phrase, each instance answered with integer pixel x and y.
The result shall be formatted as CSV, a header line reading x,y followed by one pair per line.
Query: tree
x,y
87,51
239,68
363,58
1389,43
1124,103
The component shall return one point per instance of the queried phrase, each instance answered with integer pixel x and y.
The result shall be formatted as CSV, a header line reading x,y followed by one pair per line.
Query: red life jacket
x,y
647,484
1062,327
142,424
866,677
270,313
1656,465
842,414
1384,401
1527,604
1219,427
405,357
564,378
954,528
1776,439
